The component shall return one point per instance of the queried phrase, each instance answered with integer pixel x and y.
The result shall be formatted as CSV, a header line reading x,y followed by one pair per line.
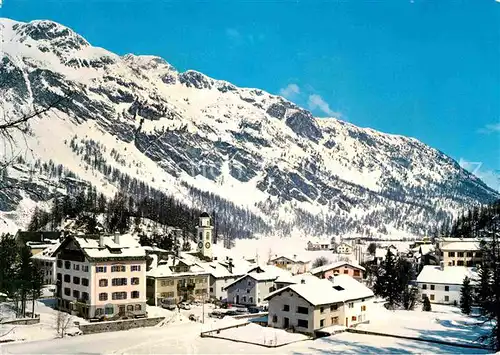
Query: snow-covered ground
x,y
180,335
444,323
46,329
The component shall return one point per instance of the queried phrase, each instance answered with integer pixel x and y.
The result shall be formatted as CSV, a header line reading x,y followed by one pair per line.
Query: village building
x,y
293,264
313,304
252,288
344,248
460,252
223,273
101,276
321,244
339,268
45,261
442,284
176,279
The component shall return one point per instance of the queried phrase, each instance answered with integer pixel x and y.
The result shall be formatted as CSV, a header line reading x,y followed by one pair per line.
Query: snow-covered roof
x,y
115,246
424,249
295,279
465,245
335,265
155,249
263,273
317,291
451,275
47,253
221,269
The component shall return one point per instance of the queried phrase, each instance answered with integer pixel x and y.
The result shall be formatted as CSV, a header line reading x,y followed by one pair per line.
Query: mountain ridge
x,y
245,145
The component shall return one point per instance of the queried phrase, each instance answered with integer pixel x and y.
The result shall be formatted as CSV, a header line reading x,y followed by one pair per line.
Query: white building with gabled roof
x,y
312,304
443,284
252,288
292,263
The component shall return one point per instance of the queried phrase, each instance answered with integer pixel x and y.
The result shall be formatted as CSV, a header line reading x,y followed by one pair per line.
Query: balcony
x,y
188,286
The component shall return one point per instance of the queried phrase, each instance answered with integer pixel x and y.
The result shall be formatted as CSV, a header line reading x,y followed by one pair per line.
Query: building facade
x,y
103,277
292,264
339,268
460,252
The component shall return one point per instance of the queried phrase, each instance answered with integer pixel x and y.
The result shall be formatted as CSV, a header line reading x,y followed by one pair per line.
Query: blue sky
x,y
421,68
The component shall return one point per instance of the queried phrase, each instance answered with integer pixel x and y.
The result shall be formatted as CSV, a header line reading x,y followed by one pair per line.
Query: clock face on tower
x,y
207,245
200,245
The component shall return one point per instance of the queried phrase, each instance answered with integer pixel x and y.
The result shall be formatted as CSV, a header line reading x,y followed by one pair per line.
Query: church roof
x,y
204,214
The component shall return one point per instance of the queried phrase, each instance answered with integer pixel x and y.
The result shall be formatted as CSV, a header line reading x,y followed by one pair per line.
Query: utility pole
x,y
203,309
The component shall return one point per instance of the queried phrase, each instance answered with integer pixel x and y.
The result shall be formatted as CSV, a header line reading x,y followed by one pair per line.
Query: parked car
x,y
231,313
255,309
192,317
216,314
185,305
170,307
241,310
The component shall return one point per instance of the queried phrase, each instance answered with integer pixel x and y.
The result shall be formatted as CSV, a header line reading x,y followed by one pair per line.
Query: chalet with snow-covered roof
x,y
173,279
293,264
315,245
101,276
442,284
46,263
339,268
252,288
312,304
344,248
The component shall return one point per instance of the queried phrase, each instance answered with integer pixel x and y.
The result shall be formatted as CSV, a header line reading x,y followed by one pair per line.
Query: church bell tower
x,y
204,238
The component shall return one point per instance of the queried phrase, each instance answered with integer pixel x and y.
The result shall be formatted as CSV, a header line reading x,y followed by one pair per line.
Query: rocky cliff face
x,y
187,133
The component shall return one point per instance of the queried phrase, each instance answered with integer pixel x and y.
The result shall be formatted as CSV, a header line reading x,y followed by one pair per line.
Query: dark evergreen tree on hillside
x,y
466,296
426,306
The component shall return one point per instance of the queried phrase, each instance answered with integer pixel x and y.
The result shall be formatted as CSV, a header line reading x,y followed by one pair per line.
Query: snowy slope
x,y
184,131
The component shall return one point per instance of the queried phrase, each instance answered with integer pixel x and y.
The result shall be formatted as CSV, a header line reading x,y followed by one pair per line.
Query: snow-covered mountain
x,y
188,134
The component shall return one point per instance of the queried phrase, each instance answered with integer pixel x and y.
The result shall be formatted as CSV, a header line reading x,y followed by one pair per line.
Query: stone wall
x,y
113,326
22,321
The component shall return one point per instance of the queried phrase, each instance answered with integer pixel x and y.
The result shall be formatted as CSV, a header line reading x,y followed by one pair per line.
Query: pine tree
x,y
36,286
426,307
466,296
386,284
483,293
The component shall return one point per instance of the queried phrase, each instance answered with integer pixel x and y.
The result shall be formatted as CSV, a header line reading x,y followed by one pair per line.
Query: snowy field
x,y
178,335
184,339
260,335
444,323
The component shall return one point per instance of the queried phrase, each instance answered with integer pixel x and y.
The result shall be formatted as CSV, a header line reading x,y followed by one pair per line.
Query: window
x,y
353,318
432,287
424,296
103,283
85,282
460,254
167,283
469,263
67,291
67,278
447,288
363,308
138,307
76,280
322,323
356,273
222,288
76,267
99,311
244,299
135,268
333,307
460,263
479,254
118,268
335,320
250,299
248,290
302,310
76,294
424,287
119,282
59,263
100,269
85,268
59,276
469,254
67,265
286,308
119,295
351,305
451,254
130,307
432,297
249,283
109,310
275,318
321,310
212,289
447,298
346,271
85,296
302,323
134,281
